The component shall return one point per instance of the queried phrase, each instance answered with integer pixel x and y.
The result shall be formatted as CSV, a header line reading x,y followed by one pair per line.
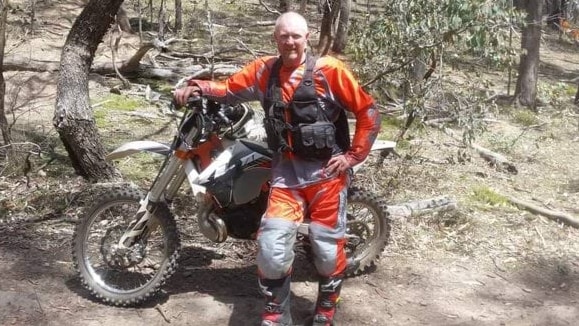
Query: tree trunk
x,y
32,16
285,5
526,90
178,15
343,22
161,20
123,21
73,116
3,121
303,6
330,11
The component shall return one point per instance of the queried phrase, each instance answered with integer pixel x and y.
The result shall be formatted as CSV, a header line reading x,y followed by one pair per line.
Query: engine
x,y
243,221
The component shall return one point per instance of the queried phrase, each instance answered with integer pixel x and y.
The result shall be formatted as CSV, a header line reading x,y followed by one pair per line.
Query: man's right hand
x,y
181,95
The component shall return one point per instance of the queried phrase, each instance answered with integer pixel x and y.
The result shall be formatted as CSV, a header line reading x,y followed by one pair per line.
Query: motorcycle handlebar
x,y
192,102
226,114
234,113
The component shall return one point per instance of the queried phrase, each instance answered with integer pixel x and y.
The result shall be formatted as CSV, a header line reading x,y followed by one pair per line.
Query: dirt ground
x,y
485,264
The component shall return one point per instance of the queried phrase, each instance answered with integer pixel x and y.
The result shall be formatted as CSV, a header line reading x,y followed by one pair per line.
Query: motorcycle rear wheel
x,y
123,277
367,232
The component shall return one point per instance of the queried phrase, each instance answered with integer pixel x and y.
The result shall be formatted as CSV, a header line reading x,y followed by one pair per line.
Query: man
x,y
305,100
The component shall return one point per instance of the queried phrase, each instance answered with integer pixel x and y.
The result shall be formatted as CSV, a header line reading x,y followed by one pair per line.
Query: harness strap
x,y
305,91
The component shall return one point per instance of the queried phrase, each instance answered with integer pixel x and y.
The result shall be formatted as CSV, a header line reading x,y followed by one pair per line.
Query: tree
x,y
285,5
342,22
330,13
3,122
178,15
73,116
526,89
399,47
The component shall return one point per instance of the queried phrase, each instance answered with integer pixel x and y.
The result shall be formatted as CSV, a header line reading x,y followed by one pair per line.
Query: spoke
x,y
361,227
121,269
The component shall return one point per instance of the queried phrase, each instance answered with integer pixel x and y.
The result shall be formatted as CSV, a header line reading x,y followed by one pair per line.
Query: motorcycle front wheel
x,y
367,232
121,275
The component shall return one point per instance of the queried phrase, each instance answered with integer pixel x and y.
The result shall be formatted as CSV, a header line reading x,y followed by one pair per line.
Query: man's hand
x,y
181,95
337,165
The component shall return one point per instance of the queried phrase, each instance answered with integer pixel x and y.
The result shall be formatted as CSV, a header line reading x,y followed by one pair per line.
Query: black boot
x,y
277,301
328,297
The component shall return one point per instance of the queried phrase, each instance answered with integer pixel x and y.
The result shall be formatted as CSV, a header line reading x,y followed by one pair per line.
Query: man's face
x,y
291,37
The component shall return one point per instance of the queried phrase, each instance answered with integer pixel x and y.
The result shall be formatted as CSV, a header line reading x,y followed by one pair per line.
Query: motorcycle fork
x,y
177,167
164,187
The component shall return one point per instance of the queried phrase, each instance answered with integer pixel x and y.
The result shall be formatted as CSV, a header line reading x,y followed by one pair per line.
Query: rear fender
x,y
134,147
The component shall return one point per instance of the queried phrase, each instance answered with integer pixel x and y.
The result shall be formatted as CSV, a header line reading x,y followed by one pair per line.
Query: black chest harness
x,y
302,126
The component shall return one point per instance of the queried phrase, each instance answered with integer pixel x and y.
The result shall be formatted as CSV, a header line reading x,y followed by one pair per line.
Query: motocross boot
x,y
328,297
277,301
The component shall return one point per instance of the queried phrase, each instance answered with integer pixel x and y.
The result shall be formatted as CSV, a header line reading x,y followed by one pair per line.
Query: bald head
x,y
293,19
291,36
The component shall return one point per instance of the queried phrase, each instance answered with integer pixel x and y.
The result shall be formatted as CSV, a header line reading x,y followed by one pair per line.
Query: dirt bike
x,y
126,245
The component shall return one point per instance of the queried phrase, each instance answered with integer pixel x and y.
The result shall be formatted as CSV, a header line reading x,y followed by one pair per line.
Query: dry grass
x,y
485,225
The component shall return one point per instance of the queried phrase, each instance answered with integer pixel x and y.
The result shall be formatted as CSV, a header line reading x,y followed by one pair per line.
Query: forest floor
x,y
487,263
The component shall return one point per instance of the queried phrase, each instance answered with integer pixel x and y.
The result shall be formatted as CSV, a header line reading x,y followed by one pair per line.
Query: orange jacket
x,y
333,81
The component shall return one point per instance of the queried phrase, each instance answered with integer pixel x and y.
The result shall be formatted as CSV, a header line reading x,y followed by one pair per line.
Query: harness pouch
x,y
311,130
276,131
314,140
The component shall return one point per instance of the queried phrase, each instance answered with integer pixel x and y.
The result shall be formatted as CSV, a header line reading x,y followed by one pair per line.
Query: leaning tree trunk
x,y
3,121
73,116
526,90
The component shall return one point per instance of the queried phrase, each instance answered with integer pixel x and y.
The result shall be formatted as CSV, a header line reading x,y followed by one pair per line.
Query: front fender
x,y
383,144
133,147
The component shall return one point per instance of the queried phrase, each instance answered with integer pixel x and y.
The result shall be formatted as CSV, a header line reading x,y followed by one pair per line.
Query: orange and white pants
x,y
325,205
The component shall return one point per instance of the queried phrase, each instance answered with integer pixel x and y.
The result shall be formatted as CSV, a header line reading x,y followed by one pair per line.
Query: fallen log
x,y
497,160
422,207
27,64
173,73
142,70
550,214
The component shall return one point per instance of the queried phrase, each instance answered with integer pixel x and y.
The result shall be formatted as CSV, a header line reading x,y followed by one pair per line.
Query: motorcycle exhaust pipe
x,y
211,225
213,228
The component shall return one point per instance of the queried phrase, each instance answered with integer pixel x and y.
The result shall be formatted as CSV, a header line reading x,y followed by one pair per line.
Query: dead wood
x,y
134,63
116,36
497,160
422,207
130,68
551,214
26,64
264,23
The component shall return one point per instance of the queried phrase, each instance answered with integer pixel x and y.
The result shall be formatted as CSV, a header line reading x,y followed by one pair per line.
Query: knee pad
x,y
327,246
276,240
